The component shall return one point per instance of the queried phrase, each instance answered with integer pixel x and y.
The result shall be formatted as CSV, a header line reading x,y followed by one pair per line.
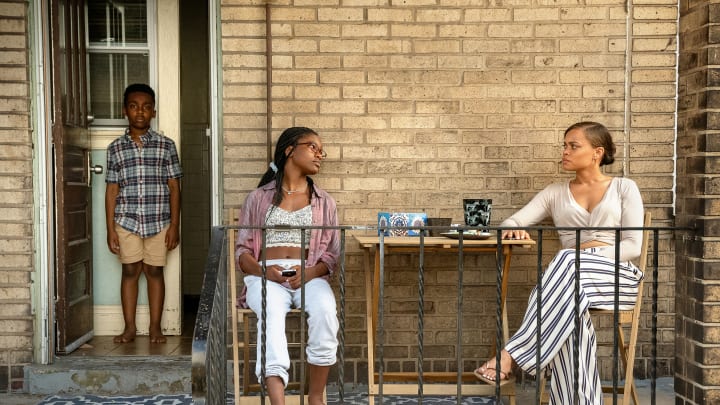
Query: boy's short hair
x,y
138,87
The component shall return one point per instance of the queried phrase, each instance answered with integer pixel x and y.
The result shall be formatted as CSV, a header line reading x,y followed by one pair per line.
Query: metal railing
x,y
209,348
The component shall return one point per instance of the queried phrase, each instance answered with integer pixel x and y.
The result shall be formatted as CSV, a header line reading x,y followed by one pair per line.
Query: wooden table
x,y
400,383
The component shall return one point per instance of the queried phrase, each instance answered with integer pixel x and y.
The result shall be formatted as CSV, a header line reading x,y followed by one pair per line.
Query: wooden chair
x,y
240,317
626,319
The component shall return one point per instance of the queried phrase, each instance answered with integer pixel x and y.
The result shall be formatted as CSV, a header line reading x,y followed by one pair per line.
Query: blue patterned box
x,y
401,219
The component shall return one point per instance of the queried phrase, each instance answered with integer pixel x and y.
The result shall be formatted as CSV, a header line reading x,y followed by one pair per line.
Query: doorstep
x,y
110,375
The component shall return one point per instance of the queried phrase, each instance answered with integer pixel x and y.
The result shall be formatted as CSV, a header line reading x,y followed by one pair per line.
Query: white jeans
x,y
321,315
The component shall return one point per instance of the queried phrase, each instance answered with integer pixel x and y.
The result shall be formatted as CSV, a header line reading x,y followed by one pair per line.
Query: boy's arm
x,y
172,237
111,193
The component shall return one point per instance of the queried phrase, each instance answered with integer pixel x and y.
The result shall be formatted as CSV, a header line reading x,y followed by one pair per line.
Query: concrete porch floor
x,y
665,394
140,368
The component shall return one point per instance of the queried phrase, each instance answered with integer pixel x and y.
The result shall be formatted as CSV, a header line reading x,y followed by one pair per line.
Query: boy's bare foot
x,y
127,336
158,339
156,336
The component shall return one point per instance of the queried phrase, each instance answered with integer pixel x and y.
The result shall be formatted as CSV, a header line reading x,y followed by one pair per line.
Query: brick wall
x,y
421,104
697,367
16,201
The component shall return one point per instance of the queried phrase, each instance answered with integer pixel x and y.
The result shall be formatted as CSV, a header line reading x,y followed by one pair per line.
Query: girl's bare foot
x,y
127,336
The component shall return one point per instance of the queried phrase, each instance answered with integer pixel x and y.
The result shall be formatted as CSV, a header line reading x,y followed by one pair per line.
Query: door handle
x,y
93,169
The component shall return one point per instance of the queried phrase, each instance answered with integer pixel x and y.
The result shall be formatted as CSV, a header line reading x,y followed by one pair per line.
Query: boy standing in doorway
x,y
142,208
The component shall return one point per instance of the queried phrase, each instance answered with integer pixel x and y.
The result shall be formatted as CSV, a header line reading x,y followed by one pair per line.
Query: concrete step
x,y
111,375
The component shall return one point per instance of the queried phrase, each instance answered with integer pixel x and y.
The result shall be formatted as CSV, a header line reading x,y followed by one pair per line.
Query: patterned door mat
x,y
180,399
186,399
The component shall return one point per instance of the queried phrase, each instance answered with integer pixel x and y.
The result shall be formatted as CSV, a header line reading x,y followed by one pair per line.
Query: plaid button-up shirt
x,y
143,202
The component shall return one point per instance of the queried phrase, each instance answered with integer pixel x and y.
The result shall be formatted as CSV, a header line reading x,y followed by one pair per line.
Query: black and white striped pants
x,y
557,325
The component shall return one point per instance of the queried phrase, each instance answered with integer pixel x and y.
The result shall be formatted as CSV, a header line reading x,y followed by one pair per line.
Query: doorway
x,y
183,115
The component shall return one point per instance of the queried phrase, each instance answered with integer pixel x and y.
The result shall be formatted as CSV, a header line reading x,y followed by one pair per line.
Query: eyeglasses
x,y
314,149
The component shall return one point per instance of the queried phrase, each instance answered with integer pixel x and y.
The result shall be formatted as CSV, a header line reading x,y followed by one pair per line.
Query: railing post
x,y
209,354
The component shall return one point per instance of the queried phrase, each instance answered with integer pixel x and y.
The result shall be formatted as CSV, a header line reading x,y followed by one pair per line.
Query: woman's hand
x,y
515,234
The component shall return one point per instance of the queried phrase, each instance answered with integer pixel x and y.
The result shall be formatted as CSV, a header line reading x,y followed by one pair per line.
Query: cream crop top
x,y
277,216
621,206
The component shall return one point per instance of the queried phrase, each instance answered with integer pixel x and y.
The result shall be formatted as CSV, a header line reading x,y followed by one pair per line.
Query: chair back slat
x,y
642,261
642,265
232,279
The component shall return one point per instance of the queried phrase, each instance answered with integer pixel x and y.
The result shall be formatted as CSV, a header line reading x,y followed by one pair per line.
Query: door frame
x,y
216,94
43,174
44,261
41,74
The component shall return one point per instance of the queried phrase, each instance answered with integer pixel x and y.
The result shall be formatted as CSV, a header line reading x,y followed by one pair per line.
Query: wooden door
x,y
73,246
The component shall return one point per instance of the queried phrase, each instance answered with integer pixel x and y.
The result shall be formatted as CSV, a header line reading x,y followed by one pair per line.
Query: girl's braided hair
x,y
289,138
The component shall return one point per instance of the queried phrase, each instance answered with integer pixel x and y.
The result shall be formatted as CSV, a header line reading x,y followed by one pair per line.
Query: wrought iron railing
x,y
209,349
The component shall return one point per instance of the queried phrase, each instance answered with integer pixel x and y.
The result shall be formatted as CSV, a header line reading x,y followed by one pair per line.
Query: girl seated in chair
x,y
287,195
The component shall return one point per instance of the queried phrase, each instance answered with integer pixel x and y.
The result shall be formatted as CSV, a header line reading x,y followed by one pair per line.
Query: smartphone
x,y
288,273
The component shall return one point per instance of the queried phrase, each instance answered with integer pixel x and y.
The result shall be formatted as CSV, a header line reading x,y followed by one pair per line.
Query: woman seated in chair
x,y
591,199
287,195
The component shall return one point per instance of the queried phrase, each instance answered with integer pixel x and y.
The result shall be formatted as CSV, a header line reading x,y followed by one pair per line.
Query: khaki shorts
x,y
133,248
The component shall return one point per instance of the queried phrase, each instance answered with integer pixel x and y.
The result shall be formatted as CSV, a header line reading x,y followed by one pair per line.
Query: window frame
x,y
150,49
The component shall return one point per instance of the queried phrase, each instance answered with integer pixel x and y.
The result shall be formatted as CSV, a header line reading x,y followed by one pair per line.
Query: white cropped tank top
x,y
277,216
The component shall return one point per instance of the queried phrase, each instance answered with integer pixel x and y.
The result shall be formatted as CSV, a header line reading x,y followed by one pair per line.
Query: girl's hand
x,y
274,273
296,280
318,270
515,234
